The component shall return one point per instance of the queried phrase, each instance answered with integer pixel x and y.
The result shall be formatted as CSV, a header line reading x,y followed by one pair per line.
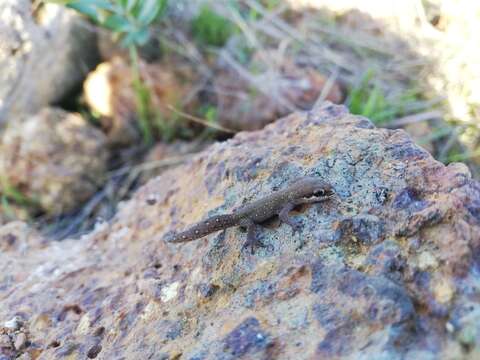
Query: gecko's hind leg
x,y
252,239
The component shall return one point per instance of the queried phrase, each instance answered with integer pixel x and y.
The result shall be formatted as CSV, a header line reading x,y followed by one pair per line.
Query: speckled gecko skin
x,y
307,190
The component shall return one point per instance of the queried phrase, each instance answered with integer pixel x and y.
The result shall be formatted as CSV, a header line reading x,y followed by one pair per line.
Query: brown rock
x,y
388,267
55,159
109,92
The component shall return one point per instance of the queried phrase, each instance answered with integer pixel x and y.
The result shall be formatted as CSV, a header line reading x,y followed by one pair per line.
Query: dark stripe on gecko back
x,y
205,227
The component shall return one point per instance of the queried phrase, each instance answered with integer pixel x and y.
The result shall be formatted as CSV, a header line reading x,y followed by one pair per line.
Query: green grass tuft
x,y
368,99
10,192
210,28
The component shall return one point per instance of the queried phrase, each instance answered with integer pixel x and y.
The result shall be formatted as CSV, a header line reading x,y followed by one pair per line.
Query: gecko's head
x,y
312,188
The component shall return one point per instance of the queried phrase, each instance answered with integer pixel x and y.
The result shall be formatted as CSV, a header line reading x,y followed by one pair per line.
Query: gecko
x,y
307,190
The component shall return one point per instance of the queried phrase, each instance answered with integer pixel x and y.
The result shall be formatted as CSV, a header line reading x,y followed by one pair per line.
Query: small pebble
x,y
14,323
20,341
449,326
151,199
94,351
5,341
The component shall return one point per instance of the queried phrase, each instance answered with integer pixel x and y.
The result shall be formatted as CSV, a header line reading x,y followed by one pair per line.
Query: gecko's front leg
x,y
284,216
252,239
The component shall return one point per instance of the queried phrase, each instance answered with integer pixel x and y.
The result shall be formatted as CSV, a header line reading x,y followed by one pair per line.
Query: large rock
x,y
55,159
45,51
388,270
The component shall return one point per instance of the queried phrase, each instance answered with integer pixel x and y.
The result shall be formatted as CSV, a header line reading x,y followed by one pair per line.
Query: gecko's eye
x,y
320,192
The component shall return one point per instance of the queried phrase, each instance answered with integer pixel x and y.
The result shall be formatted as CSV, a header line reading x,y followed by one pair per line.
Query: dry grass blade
x,y
150,165
452,140
317,49
411,119
266,87
331,81
200,121
116,189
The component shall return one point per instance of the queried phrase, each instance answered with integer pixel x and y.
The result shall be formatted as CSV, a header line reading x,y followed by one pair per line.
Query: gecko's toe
x,y
297,228
252,245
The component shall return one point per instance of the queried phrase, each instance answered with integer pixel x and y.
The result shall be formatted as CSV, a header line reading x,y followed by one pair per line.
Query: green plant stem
x,y
142,98
10,192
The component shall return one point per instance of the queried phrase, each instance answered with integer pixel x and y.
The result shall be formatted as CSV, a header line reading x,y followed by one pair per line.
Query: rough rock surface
x,y
55,159
388,270
36,37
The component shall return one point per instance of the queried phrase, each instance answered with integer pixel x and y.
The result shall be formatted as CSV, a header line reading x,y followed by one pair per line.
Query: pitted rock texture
x,y
389,269
55,159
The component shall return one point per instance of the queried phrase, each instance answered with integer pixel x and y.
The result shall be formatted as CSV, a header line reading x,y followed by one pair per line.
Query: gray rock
x,y
44,53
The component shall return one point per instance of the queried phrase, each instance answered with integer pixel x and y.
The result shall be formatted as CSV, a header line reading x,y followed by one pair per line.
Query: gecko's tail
x,y
203,228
